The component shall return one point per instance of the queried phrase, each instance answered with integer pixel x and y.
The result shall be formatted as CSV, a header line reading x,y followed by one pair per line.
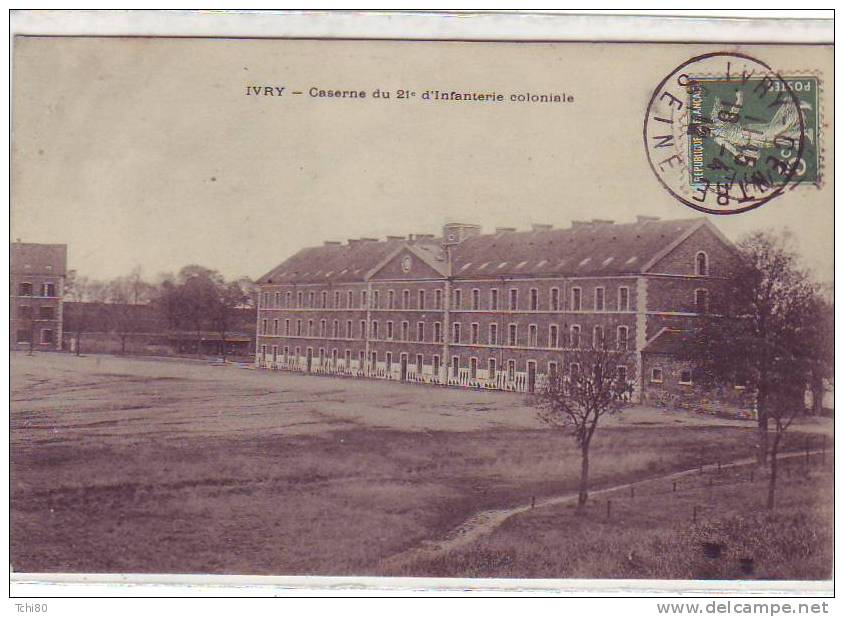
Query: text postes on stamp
x,y
724,133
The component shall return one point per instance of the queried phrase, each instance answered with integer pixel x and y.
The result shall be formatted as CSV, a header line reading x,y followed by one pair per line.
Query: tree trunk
x,y
762,424
817,394
583,493
223,344
772,479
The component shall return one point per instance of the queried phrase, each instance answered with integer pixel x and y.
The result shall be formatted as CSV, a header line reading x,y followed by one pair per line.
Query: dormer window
x,y
701,264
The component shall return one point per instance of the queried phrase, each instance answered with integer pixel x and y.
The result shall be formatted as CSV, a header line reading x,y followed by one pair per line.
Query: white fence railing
x,y
513,382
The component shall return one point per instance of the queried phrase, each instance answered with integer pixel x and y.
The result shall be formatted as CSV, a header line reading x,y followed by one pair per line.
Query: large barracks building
x,y
495,310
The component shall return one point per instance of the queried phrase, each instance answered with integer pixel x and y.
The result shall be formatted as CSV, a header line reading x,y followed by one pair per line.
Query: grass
x,y
701,531
140,466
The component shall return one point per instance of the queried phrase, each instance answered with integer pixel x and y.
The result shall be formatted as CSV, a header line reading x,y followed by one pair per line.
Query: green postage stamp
x,y
732,126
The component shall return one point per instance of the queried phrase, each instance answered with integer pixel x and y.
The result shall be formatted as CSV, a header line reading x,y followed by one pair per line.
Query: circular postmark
x,y
724,133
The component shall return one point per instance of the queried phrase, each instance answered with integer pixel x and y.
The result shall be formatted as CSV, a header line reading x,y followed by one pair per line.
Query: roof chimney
x,y
541,227
504,230
644,219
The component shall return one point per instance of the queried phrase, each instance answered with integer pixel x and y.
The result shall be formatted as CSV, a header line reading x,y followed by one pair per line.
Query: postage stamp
x,y
726,133
717,105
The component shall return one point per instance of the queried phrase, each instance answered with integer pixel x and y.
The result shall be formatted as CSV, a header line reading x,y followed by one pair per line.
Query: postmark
x,y
725,133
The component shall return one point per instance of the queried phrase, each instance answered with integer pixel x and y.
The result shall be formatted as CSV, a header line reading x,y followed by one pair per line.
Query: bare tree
x,y
596,383
229,298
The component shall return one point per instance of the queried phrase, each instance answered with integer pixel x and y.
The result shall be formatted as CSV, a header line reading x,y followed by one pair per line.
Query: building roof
x,y
586,249
669,341
32,258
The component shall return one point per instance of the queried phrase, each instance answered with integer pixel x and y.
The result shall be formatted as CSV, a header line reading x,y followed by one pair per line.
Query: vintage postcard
x,y
534,311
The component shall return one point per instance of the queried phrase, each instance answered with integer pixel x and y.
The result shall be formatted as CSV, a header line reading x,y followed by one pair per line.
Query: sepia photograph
x,y
552,311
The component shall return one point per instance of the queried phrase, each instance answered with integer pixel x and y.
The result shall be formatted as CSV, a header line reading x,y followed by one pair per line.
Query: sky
x,y
149,152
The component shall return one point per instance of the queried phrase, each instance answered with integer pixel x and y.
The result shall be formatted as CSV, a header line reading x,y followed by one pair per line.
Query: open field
x,y
143,465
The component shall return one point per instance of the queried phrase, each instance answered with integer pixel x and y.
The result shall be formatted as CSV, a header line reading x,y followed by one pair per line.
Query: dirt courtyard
x,y
152,465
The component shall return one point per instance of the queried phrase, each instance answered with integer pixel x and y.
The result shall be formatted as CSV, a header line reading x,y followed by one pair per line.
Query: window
x,y
311,299
373,360
24,336
263,326
405,299
46,337
490,371
534,299
25,289
360,360
511,370
436,365
686,377
49,290
376,299
275,326
287,327
335,329
405,331
598,337
455,366
349,299
476,299
391,299
656,375
458,298
493,299
438,335
264,353
575,299
286,353
701,300
419,364
298,327
623,299
347,362
438,299
363,328
276,301
621,373
493,334
513,335
574,370
363,299
555,299
514,299
389,329
374,330
456,337
334,358
575,336
298,299
532,335
553,336
275,353
336,299
322,327
552,372
287,299
599,298
388,364
420,331
322,356
349,329
701,264
46,312
24,312
621,340
421,299
473,368
475,334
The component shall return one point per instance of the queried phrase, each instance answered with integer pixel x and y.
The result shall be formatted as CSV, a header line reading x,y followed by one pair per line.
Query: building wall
x,y
27,316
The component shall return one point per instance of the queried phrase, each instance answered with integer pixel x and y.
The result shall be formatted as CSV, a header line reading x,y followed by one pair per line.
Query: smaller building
x,y
37,278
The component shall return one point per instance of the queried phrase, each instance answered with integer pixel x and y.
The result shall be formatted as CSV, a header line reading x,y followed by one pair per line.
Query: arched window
x,y
701,264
